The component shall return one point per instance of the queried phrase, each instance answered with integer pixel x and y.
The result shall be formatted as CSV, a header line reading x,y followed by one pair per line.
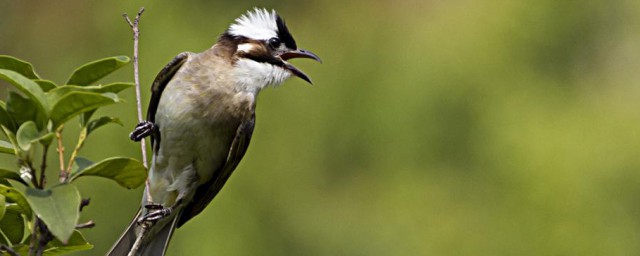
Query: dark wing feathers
x,y
206,192
161,81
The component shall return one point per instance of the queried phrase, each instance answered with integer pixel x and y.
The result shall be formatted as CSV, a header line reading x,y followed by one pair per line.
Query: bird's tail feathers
x,y
126,241
159,243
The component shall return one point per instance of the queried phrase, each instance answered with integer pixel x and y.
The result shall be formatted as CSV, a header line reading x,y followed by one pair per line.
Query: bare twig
x,y
138,242
136,72
88,224
136,35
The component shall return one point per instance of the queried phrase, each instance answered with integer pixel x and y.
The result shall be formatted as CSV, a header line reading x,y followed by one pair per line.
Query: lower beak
x,y
300,53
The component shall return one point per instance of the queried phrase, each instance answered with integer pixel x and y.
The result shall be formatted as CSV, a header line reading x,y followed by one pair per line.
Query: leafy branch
x,y
36,218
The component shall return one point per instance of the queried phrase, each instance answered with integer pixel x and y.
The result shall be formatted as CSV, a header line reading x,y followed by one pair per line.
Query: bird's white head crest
x,y
258,24
263,45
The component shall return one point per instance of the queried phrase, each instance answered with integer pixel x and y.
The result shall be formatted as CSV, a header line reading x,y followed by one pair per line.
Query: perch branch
x,y
136,36
136,74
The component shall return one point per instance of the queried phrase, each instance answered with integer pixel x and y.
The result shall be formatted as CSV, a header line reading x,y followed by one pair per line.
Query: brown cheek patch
x,y
257,51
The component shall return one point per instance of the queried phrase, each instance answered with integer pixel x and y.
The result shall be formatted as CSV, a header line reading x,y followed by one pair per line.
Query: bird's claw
x,y
156,212
142,130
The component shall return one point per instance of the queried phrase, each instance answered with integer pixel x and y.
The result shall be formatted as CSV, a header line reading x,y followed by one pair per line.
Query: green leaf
x,y
46,85
5,117
27,134
47,138
97,123
57,207
94,71
60,91
12,224
127,172
86,117
82,163
6,147
20,66
3,207
76,243
75,103
11,175
20,108
55,94
29,88
13,195
116,87
23,109
12,139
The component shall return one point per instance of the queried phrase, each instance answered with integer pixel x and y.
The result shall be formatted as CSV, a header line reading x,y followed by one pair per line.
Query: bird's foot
x,y
142,130
155,212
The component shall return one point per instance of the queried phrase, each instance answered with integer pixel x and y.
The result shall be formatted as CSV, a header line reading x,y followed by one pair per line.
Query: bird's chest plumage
x,y
198,117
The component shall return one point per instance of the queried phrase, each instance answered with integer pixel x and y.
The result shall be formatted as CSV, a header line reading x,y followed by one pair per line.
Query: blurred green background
x,y
433,128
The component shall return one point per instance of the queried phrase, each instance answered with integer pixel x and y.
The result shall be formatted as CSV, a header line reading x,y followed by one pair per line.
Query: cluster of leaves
x,y
37,219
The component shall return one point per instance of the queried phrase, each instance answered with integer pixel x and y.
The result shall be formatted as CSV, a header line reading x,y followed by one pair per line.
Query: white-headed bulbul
x,y
200,119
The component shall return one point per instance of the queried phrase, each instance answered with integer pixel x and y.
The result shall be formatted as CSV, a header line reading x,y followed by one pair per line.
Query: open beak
x,y
300,53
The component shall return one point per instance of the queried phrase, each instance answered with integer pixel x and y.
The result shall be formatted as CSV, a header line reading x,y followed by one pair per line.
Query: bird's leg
x,y
143,130
155,212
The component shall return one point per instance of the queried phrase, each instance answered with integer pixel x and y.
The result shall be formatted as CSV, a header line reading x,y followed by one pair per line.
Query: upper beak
x,y
300,53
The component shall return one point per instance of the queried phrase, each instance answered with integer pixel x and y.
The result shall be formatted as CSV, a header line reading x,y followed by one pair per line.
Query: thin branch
x,y
88,224
136,73
81,138
43,166
136,36
138,242
34,237
8,250
60,149
45,238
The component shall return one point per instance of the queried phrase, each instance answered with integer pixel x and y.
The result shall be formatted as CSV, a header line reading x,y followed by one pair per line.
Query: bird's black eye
x,y
274,43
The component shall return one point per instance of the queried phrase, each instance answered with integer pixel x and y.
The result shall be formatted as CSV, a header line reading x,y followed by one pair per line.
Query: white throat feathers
x,y
253,76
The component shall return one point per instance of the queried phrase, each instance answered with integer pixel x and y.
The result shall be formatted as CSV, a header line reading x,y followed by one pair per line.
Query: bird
x,y
201,117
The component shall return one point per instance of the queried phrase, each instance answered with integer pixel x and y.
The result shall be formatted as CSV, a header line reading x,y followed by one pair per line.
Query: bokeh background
x,y
433,128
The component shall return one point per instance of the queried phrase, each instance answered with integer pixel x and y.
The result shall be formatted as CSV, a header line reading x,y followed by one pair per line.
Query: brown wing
x,y
206,192
161,81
